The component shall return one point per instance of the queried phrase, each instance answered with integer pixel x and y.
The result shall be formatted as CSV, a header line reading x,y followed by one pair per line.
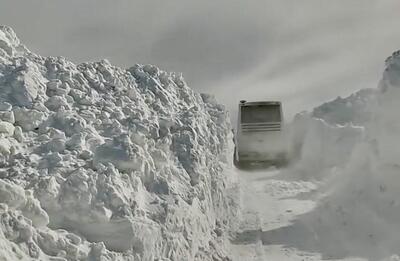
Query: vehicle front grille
x,y
261,126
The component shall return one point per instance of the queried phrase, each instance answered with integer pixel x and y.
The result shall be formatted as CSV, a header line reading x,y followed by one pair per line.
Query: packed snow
x,y
103,163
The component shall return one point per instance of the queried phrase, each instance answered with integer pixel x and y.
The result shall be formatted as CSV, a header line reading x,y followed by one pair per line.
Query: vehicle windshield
x,y
260,113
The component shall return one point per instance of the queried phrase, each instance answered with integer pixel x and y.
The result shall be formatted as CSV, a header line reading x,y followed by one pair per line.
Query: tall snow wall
x,y
103,163
354,148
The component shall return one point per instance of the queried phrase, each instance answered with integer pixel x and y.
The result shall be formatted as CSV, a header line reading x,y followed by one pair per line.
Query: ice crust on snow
x,y
103,163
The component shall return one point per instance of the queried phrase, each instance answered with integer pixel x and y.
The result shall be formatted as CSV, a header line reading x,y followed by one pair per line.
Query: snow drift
x,y
353,150
103,163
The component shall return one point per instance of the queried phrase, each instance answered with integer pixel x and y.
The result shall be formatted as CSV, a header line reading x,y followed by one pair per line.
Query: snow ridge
x,y
355,109
102,163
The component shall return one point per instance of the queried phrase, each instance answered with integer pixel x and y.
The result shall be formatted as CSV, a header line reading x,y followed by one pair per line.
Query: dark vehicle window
x,y
260,113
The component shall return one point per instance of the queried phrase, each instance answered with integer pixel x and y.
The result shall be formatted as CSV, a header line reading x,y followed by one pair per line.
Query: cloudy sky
x,y
300,52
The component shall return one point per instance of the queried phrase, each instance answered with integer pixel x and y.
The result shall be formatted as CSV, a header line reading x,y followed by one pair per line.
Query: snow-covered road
x,y
271,204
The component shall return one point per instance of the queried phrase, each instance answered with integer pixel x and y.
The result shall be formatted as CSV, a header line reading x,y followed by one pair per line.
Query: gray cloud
x,y
301,52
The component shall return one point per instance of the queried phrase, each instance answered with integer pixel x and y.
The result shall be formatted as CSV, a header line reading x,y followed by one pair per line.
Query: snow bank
x,y
319,146
102,163
359,212
355,109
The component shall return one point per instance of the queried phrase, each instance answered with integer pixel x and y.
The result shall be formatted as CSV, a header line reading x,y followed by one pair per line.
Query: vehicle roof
x,y
246,103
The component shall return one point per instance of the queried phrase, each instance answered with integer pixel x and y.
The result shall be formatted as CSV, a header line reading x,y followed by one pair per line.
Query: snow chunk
x,y
5,146
12,195
32,210
22,83
8,41
7,116
5,106
7,128
124,155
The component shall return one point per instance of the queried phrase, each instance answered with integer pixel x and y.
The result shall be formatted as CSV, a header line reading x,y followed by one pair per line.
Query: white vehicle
x,y
260,137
